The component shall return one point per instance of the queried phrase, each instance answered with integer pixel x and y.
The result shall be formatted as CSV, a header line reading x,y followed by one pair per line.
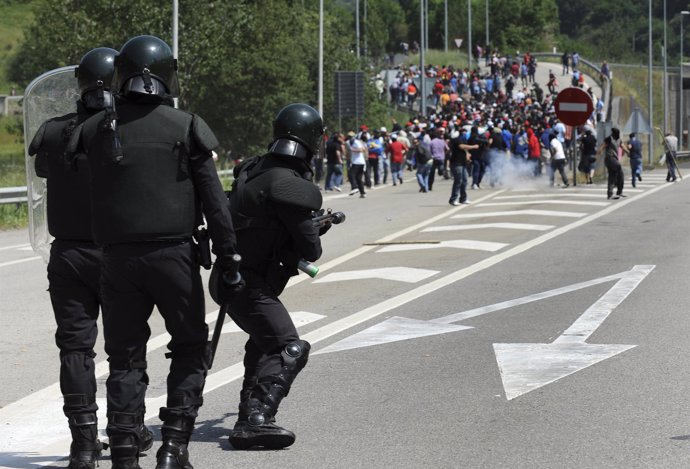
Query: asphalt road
x,y
421,320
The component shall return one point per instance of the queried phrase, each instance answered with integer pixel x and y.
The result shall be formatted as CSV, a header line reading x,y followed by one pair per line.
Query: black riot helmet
x,y
94,76
297,132
145,65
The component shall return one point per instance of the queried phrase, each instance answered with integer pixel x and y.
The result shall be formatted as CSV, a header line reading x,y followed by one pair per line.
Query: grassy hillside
x,y
15,16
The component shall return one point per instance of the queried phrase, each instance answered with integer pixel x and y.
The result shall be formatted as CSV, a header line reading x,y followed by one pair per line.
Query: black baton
x,y
231,277
217,331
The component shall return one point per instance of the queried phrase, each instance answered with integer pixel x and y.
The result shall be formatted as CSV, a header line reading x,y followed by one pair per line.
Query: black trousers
x,y
616,179
437,166
372,166
135,278
258,311
73,276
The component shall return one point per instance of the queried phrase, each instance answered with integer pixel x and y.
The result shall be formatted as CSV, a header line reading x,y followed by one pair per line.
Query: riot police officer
x,y
272,204
74,266
152,176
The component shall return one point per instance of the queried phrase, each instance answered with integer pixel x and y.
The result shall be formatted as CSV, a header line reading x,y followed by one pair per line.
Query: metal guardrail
x,y
595,73
13,195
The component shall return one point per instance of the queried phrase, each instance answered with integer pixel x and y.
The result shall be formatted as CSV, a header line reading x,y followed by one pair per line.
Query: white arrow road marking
x,y
455,243
526,367
399,274
364,249
20,261
512,213
546,202
480,226
396,328
391,330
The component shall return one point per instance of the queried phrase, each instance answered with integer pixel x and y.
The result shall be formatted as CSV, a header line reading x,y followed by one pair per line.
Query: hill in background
x,y
15,17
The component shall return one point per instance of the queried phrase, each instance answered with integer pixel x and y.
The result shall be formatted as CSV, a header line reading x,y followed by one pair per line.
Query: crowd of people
x,y
490,125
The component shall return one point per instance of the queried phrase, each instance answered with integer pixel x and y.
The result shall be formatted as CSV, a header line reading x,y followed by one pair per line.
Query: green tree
x,y
239,62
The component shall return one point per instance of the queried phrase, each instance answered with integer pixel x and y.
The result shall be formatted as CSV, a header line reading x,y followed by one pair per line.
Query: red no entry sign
x,y
573,106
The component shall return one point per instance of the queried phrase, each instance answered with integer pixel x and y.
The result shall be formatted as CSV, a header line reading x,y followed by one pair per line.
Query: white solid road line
x,y
19,261
398,274
512,213
455,244
590,203
16,246
481,226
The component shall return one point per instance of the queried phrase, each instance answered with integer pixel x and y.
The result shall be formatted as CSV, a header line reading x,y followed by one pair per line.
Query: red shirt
x,y
534,148
396,150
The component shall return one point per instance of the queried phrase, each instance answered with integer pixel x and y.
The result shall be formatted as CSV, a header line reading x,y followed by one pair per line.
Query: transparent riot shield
x,y
52,94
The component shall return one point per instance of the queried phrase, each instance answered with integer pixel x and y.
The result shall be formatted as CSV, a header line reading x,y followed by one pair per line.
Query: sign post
x,y
574,107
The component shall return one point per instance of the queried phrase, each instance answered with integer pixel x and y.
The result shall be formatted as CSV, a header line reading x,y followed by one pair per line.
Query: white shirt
x,y
359,149
557,147
672,142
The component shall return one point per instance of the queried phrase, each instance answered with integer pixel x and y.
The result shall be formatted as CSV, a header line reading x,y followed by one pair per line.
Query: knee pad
x,y
295,356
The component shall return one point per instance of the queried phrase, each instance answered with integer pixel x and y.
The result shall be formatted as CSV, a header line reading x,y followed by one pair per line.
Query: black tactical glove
x,y
322,225
225,281
325,227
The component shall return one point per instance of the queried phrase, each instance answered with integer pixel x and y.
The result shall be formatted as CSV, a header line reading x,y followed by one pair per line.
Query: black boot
x,y
173,455
85,448
256,419
124,452
145,438
256,426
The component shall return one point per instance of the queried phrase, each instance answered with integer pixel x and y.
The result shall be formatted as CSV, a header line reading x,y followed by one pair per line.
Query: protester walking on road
x,y
458,168
357,162
334,162
557,161
613,166
422,158
439,148
396,149
634,149
671,149
588,155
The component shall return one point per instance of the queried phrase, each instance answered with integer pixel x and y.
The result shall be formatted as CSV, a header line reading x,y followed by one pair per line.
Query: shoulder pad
x,y
291,189
203,135
37,141
245,165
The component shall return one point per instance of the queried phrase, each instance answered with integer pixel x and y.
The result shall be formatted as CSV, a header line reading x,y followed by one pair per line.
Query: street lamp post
x,y
445,37
357,25
469,34
422,66
320,86
681,119
650,97
665,76
487,23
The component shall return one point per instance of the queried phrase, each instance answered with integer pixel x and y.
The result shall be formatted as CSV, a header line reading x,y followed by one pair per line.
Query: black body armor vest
x,y
68,200
148,195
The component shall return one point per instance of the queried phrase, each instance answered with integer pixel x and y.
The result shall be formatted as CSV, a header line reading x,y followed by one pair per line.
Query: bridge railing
x,y
591,69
